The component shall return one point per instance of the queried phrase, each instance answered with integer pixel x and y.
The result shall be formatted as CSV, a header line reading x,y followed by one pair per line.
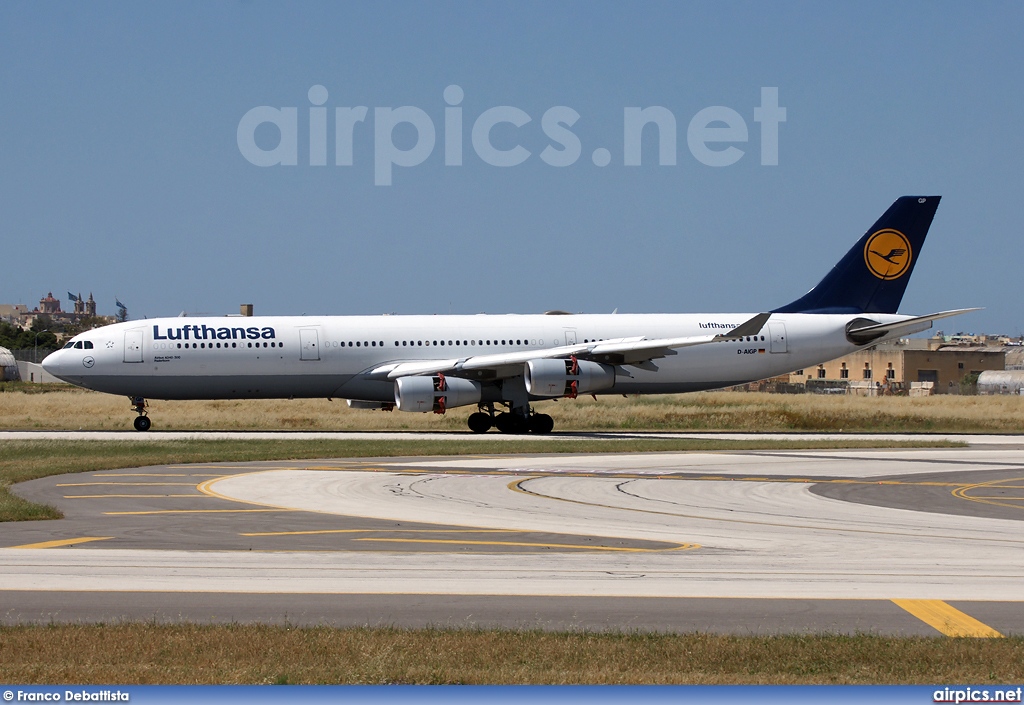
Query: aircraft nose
x,y
51,363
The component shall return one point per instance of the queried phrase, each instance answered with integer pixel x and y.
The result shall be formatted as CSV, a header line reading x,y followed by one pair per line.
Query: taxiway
x,y
893,541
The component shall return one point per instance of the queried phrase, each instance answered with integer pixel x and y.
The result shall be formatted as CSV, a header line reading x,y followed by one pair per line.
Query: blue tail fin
x,y
872,277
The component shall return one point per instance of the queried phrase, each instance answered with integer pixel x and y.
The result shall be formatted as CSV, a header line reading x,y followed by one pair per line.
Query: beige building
x,y
13,313
898,363
50,306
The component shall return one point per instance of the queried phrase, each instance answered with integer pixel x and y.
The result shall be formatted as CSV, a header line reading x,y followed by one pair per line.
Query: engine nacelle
x,y
437,393
567,378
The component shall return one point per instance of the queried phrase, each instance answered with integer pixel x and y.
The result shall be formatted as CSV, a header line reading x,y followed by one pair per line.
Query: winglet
x,y
750,327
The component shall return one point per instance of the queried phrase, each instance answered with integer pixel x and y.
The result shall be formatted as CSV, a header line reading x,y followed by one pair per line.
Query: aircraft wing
x,y
638,351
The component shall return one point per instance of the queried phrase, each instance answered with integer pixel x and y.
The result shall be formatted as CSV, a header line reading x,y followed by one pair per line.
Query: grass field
x,y
60,407
236,654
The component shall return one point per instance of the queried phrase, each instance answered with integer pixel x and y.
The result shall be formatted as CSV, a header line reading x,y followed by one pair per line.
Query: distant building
x,y
50,306
13,313
83,307
8,366
1009,382
896,364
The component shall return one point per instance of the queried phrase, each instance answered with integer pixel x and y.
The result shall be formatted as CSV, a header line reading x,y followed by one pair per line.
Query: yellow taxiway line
x,y
947,619
128,496
127,484
678,547
63,542
196,511
382,531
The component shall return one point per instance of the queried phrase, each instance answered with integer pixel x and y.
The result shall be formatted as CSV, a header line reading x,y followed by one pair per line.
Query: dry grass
x,y
236,654
70,409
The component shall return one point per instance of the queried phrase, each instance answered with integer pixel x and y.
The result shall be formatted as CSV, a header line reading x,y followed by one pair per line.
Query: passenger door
x,y
777,332
309,344
133,346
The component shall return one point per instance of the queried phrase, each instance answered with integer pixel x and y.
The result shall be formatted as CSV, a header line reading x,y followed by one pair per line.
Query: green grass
x,y
21,461
238,654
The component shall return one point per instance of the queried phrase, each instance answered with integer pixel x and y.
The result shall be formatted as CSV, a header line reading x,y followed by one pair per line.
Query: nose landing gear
x,y
142,422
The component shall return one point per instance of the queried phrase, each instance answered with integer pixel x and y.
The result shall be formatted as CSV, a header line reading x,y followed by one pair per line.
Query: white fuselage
x,y
331,356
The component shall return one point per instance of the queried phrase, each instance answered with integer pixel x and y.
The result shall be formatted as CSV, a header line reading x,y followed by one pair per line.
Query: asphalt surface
x,y
895,541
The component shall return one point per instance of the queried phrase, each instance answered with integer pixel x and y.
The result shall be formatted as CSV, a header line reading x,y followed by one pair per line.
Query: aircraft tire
x,y
503,422
479,422
541,424
510,423
142,423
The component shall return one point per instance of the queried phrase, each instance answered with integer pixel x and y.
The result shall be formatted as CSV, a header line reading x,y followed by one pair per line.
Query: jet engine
x,y
557,378
437,393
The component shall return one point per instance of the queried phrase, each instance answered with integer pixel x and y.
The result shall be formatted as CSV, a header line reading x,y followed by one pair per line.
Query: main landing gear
x,y
142,421
509,421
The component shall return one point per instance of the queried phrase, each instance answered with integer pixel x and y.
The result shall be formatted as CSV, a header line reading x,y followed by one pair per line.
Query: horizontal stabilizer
x,y
864,330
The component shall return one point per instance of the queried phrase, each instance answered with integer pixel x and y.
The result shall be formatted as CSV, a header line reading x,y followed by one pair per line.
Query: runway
x,y
892,541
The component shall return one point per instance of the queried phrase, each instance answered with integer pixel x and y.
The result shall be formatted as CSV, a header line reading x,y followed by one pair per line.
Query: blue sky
x,y
123,175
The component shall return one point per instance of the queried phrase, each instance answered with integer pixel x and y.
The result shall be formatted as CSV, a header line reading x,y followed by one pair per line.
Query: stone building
x,y
898,363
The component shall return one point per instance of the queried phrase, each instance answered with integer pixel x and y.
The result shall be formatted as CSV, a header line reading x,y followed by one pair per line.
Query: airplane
x,y
503,363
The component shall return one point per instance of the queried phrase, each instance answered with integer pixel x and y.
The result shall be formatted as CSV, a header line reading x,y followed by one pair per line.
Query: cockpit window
x,y
78,345
69,345
87,344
